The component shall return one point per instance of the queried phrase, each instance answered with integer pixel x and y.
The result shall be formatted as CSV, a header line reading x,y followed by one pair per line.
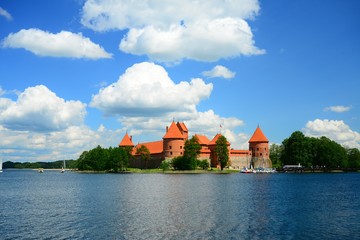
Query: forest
x,y
314,153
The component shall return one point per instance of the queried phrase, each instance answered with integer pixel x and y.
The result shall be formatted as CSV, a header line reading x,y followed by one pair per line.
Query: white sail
x,y
1,165
63,167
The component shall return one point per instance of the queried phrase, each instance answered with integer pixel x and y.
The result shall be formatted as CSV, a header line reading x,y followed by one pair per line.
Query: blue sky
x,y
77,74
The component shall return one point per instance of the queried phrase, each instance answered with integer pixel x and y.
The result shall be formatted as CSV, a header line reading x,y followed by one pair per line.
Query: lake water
x,y
178,206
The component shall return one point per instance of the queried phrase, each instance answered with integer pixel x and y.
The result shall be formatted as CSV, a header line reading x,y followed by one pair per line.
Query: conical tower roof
x,y
258,136
213,141
126,141
173,132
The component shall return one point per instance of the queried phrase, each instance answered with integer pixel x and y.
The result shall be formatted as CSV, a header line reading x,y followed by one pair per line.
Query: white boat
x,y
40,170
246,170
63,167
1,165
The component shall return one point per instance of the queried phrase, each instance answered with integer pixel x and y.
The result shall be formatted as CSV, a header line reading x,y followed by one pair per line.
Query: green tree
x,y
83,162
204,164
165,165
222,151
179,163
191,151
297,149
145,156
275,153
353,158
330,154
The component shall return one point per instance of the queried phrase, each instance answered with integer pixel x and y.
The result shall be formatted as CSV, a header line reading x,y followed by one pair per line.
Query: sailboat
x,y
63,167
0,165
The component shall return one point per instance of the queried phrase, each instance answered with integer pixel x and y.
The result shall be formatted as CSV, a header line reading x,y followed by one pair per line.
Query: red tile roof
x,y
213,141
258,136
235,151
173,132
183,127
126,141
154,147
203,140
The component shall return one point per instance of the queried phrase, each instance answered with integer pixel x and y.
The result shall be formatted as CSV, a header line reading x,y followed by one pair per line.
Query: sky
x,y
75,74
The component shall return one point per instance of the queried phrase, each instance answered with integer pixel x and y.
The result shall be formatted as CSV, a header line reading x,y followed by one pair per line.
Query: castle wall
x,y
154,162
239,162
261,163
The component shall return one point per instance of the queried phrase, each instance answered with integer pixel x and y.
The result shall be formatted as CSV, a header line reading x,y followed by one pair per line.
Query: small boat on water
x,y
247,170
63,167
40,170
265,170
1,163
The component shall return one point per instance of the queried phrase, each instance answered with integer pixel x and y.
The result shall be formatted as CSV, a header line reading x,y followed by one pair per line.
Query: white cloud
x,y
169,31
39,109
147,100
66,144
5,14
338,109
219,71
146,89
62,44
335,130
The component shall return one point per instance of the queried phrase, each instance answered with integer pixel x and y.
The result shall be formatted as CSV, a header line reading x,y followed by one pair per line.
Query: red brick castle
x,y
172,145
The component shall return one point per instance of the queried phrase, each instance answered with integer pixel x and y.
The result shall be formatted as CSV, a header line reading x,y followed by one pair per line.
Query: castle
x,y
172,145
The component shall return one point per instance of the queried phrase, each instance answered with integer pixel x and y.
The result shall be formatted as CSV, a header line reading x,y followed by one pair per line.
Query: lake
x,y
72,205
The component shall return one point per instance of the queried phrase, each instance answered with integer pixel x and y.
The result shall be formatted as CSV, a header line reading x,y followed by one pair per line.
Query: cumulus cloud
x,y
219,71
5,14
169,31
338,109
146,89
66,144
62,44
336,130
39,109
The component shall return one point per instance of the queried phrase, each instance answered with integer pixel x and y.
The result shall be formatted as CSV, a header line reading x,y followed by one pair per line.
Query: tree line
x,y
105,159
314,153
71,164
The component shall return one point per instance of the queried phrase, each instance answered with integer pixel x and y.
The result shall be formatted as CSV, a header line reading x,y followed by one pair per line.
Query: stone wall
x,y
261,163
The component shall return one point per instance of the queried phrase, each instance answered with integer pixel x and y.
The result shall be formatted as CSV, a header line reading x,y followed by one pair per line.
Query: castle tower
x,y
174,140
126,141
259,149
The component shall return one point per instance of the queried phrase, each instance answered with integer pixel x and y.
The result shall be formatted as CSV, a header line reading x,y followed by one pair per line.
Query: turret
x,y
259,149
126,141
174,140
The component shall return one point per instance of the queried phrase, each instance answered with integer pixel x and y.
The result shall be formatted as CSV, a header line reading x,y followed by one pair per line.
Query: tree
x,y
297,149
191,151
330,154
180,163
353,158
145,156
222,151
275,153
204,164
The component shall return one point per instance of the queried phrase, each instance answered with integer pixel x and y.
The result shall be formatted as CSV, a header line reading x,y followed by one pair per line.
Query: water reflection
x,y
179,206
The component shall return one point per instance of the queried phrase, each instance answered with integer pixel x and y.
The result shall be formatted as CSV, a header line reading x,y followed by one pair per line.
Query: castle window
x,y
180,147
170,153
260,154
257,149
265,149
170,147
